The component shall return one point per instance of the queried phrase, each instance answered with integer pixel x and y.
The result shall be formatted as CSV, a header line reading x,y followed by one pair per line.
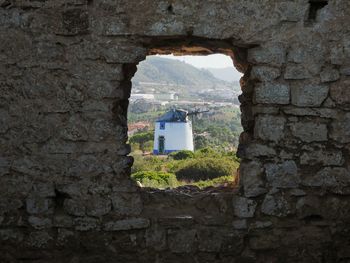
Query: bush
x,y
141,138
208,152
182,155
206,168
154,178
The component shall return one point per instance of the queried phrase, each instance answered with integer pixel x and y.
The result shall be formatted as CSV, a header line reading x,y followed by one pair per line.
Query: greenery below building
x,y
203,168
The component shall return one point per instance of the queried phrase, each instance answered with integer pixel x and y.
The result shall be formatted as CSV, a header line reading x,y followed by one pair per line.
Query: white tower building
x,y
173,132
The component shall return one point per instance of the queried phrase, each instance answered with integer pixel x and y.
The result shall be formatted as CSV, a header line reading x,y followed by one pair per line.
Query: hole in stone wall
x,y
184,121
315,7
170,9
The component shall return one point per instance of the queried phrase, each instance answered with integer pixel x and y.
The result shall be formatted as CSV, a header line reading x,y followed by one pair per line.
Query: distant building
x,y
173,132
143,96
166,96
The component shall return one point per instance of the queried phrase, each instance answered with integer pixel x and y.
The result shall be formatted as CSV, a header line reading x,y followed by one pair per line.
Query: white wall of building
x,y
178,136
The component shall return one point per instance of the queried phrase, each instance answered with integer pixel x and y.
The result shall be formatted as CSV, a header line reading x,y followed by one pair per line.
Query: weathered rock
x,y
181,241
265,73
274,54
127,224
275,205
156,237
127,203
340,129
261,224
98,206
263,242
272,93
336,180
269,128
250,175
240,224
85,223
340,92
296,71
40,223
257,150
39,239
244,207
329,74
209,239
284,175
309,95
322,156
38,205
74,207
310,132
308,206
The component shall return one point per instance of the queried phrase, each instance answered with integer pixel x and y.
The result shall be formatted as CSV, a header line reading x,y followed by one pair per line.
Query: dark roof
x,y
174,115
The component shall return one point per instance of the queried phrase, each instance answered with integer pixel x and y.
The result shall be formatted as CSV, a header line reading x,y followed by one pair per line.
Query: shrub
x,y
182,155
154,178
207,152
141,138
205,168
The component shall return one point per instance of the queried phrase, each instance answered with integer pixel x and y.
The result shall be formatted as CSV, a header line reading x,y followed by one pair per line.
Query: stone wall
x,y
65,191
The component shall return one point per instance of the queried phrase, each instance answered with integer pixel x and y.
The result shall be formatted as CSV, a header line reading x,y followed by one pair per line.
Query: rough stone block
x,y
329,74
310,131
308,206
97,206
74,21
340,129
38,205
156,237
284,175
40,222
75,207
309,95
296,71
265,73
75,130
127,224
244,207
318,112
240,224
260,224
340,92
86,223
273,54
264,242
291,11
322,156
39,239
258,150
250,176
272,93
182,240
127,203
44,189
336,180
269,127
275,205
209,239
4,166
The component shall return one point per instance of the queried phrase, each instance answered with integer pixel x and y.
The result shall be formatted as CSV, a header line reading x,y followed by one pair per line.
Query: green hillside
x,y
169,71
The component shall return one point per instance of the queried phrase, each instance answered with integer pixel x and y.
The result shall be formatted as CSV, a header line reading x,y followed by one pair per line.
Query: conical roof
x,y
174,115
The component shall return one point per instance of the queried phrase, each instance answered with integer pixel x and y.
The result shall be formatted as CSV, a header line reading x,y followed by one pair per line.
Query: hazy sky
x,y
210,61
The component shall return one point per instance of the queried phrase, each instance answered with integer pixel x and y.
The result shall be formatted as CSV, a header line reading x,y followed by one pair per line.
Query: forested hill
x,y
169,71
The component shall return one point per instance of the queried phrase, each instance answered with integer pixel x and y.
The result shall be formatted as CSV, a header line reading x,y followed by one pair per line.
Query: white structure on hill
x,y
173,132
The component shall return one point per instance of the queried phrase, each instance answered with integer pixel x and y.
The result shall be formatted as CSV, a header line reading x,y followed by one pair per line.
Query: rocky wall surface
x,y
65,191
